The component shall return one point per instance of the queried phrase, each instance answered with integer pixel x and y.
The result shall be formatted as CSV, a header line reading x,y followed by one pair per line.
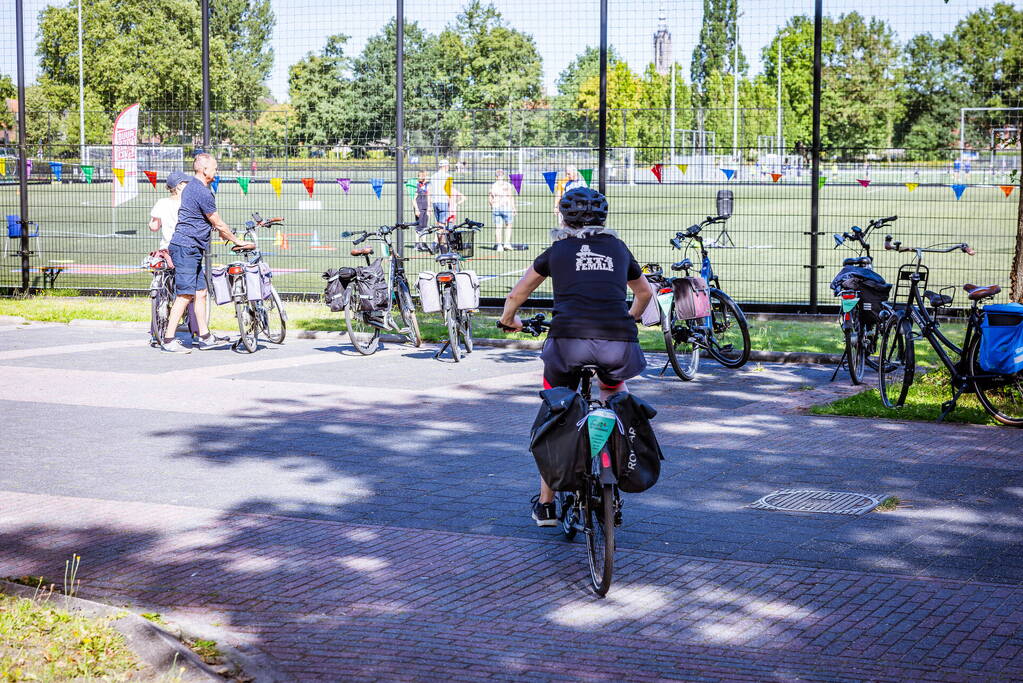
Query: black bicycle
x,y
596,507
1001,395
864,299
261,309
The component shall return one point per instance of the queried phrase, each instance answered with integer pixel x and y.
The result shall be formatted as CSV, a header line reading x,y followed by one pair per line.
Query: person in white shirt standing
x,y
164,216
437,194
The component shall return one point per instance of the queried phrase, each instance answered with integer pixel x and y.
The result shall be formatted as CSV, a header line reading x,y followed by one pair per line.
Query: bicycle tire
x,y
1001,395
683,353
600,535
568,514
364,337
407,312
854,347
728,328
896,361
247,323
465,329
160,312
274,324
451,322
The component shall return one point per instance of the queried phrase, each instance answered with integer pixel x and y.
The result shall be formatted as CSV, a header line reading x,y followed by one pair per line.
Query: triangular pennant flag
x,y
3,166
215,185
959,189
552,178
864,182
309,183
243,183
821,180
345,183
279,239
448,185
275,183
729,172
119,174
656,170
152,178
378,185
775,177
1007,189
411,185
87,172
57,169
912,186
315,241
599,424
682,167
516,181
587,174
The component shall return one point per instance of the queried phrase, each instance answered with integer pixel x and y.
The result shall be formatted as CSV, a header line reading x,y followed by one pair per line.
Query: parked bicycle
x,y
247,283
453,291
864,299
371,293
990,360
161,294
695,317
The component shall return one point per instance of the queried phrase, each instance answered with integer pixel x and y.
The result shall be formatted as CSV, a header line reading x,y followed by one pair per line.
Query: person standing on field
x,y
502,207
438,196
196,217
571,181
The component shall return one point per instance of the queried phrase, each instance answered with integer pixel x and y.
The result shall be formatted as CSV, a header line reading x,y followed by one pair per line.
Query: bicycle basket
x,y
463,243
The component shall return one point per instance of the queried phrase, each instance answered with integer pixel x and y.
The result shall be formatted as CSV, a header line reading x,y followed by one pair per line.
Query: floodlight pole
x,y
815,173
399,124
735,88
672,110
81,90
19,29
602,112
780,141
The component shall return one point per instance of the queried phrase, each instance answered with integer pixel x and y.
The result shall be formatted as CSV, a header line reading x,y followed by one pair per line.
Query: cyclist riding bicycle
x,y
592,323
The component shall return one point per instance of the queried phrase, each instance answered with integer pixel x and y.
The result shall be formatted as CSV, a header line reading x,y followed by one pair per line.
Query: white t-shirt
x,y
436,188
166,210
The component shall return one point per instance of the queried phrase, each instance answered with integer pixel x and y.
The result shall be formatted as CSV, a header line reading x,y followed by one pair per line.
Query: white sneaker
x,y
175,346
508,247
211,342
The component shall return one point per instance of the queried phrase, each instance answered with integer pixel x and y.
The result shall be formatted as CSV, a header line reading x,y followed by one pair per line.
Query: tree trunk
x,y
1016,276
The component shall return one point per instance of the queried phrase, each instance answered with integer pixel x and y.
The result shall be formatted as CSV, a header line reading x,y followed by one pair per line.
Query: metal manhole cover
x,y
807,500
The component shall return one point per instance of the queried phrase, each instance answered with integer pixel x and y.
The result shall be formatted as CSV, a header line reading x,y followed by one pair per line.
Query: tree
x,y
321,94
7,91
245,26
714,53
929,95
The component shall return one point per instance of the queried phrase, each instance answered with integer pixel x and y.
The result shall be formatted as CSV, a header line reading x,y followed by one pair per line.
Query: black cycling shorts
x,y
563,356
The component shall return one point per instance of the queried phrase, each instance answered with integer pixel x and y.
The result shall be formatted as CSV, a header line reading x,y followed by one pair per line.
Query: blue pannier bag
x,y
1001,341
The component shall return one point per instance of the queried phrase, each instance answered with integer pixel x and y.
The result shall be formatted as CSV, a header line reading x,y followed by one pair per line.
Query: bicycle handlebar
x,y
893,245
534,326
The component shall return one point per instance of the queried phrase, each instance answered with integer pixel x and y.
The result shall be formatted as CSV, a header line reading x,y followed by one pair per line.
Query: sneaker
x,y
210,342
545,514
175,346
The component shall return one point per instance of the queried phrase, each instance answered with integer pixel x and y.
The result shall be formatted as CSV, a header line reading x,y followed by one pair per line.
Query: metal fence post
x,y
602,114
22,146
815,174
399,121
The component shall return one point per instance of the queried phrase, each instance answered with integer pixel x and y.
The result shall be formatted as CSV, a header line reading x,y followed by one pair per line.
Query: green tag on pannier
x,y
600,423
664,301
849,304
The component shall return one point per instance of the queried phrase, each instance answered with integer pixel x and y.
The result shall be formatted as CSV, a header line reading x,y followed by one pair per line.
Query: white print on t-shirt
x,y
589,260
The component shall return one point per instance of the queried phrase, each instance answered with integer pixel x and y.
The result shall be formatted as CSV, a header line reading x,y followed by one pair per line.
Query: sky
x,y
561,29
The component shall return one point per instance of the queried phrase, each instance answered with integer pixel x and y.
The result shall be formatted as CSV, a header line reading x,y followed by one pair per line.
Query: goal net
x,y
533,162
163,160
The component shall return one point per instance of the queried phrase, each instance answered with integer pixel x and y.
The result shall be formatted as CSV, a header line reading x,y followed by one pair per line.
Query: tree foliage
x,y
714,52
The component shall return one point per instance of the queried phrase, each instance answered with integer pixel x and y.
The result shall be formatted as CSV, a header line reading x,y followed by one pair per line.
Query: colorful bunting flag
x,y
57,169
552,178
315,241
279,239
345,183
682,167
243,183
821,180
656,170
959,189
410,185
1007,189
912,186
775,177
378,185
275,183
448,186
865,182
119,174
152,178
3,166
87,172
516,181
729,172
587,174
215,185
309,183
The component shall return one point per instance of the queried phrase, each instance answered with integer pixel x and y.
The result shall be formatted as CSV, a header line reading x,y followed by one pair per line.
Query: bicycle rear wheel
x,y
364,336
407,312
854,347
600,535
272,318
465,329
1001,395
728,342
248,324
896,361
451,321
568,513
680,343
161,305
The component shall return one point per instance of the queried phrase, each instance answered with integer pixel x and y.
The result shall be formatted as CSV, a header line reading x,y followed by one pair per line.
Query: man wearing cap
x,y
436,192
197,215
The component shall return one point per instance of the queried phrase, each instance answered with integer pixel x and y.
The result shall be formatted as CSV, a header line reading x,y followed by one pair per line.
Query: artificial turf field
x,y
79,230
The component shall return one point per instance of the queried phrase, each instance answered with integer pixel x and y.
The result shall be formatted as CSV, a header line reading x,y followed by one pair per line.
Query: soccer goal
x,y
533,162
163,160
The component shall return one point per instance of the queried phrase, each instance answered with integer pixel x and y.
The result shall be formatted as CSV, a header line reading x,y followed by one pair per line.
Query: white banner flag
x,y
124,160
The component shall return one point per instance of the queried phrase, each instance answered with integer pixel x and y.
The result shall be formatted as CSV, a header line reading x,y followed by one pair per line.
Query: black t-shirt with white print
x,y
589,276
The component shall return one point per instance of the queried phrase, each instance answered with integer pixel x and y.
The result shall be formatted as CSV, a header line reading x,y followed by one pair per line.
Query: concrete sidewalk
x,y
367,518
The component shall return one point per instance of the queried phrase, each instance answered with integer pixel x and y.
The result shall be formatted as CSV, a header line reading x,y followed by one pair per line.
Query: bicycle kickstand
x,y
950,405
841,362
664,368
442,349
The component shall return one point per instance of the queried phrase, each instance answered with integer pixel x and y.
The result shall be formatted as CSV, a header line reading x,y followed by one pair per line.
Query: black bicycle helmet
x,y
582,206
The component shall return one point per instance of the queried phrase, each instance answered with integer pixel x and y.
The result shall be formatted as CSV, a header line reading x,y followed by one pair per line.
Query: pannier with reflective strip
x,y
334,294
372,284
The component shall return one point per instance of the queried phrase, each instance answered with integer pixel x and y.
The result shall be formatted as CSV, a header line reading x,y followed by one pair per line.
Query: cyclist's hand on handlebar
x,y
513,325
244,246
968,250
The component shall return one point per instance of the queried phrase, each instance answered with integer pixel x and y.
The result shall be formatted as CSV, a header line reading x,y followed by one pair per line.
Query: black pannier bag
x,y
373,290
558,442
334,294
871,286
637,452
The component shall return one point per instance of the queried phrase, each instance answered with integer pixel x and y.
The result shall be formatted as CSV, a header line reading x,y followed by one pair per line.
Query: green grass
x,y
42,643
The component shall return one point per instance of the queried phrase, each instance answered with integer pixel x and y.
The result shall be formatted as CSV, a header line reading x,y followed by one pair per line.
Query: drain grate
x,y
807,500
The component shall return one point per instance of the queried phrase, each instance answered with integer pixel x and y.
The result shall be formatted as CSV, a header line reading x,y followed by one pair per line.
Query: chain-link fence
x,y
909,113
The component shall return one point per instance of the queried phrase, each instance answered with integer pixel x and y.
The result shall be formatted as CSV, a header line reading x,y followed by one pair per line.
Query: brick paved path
x,y
366,518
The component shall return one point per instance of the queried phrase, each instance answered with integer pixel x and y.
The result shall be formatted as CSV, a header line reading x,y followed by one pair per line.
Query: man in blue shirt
x,y
196,217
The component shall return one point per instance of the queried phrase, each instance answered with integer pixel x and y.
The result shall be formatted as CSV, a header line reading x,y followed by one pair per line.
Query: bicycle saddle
x,y
364,251
863,261
684,264
447,256
938,300
977,293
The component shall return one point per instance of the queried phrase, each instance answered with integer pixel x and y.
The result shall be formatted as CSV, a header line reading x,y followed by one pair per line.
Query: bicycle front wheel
x,y
161,306
680,343
896,362
600,535
247,325
465,329
1001,395
273,318
407,311
854,351
451,321
364,336
728,341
